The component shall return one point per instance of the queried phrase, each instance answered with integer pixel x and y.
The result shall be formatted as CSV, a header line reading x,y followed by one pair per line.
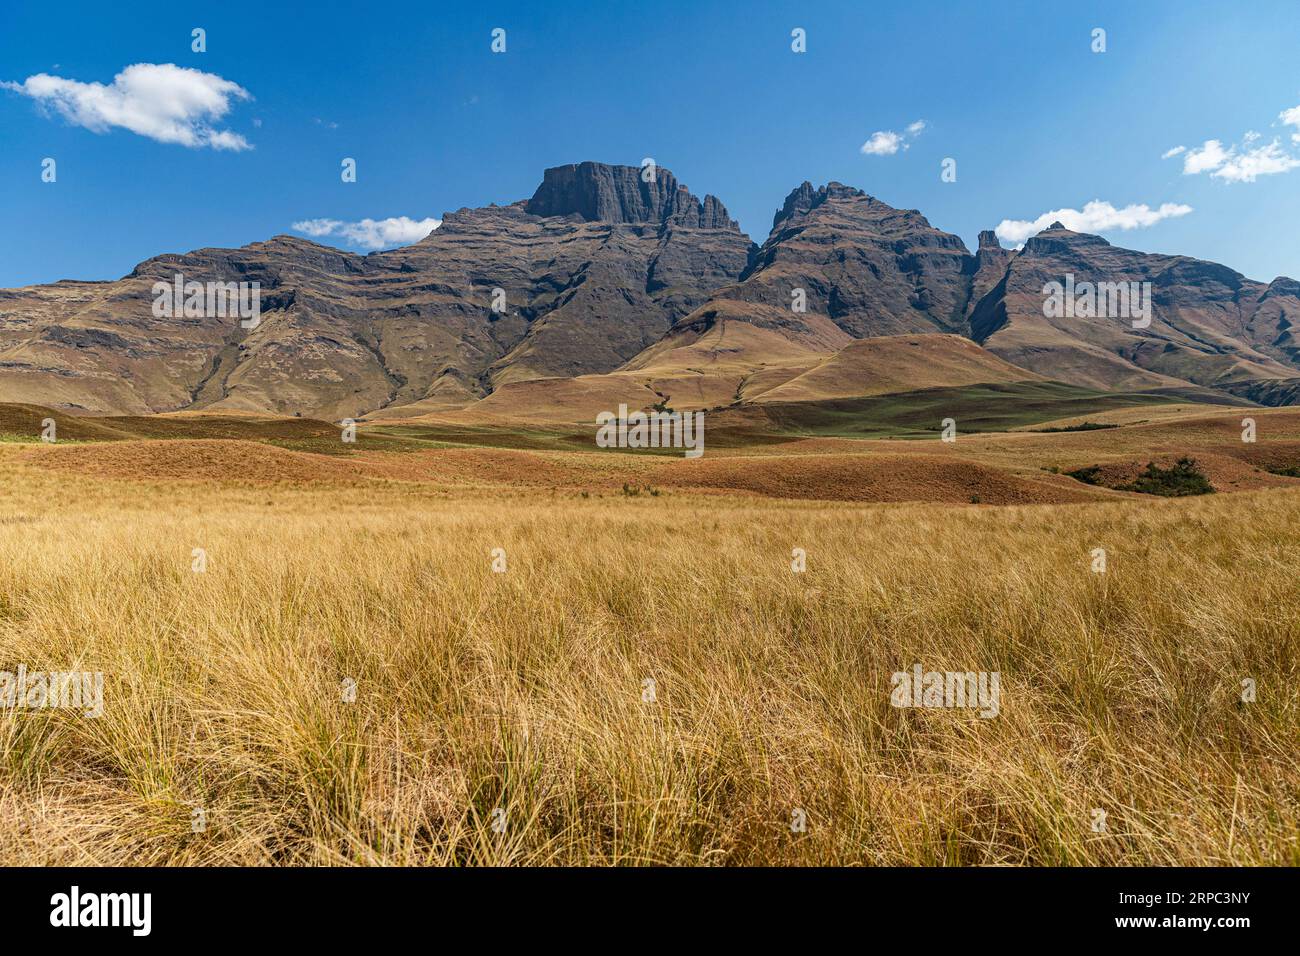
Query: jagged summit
x,y
598,192
804,198
1057,238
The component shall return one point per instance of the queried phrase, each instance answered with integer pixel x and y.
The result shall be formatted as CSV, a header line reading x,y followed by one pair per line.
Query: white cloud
x,y
1253,163
1173,152
1246,161
882,143
1096,216
1291,117
1211,155
317,227
885,142
1239,164
371,233
162,101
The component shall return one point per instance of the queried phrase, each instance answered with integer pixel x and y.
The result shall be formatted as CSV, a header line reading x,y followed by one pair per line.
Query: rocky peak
x,y
1057,239
1282,286
989,242
601,193
804,199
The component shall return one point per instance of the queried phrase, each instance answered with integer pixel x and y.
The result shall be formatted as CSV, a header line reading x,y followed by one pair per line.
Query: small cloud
x,y
1291,117
1096,216
882,143
371,233
886,142
317,227
257,122
161,101
328,124
1173,152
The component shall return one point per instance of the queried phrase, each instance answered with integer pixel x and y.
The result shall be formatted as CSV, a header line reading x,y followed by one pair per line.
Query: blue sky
x,y
1035,120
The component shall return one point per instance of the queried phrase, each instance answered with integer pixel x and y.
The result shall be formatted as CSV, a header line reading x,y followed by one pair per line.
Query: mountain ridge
x,y
622,271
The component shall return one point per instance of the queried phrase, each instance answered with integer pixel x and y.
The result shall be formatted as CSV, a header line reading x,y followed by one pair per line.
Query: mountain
x,y
615,283
857,268
865,270
594,268
1209,325
838,266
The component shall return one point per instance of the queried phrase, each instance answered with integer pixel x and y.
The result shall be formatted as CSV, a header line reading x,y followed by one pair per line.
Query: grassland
x,y
525,691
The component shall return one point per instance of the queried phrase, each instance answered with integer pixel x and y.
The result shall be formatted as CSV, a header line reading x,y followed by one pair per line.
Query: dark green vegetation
x,y
1081,427
1184,478
1089,476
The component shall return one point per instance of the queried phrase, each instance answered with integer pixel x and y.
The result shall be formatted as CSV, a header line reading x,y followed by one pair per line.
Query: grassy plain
x,y
527,691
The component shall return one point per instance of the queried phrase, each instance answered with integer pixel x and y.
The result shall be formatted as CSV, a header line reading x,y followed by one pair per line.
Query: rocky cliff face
x,y
991,262
599,269
625,194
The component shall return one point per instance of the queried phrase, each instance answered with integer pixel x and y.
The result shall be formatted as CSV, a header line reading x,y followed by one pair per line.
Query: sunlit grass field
x,y
647,682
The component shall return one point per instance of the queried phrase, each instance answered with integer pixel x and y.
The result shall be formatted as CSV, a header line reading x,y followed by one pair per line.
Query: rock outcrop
x,y
625,194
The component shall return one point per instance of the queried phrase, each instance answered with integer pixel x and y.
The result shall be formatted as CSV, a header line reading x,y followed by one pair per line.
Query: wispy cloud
x,y
1243,162
1096,216
886,142
162,101
371,233
1173,152
1291,117
1239,164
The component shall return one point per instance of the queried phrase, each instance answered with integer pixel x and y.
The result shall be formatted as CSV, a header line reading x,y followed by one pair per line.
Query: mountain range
x,y
616,284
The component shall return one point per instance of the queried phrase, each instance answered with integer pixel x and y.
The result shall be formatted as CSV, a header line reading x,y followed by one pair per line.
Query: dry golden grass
x,y
524,690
